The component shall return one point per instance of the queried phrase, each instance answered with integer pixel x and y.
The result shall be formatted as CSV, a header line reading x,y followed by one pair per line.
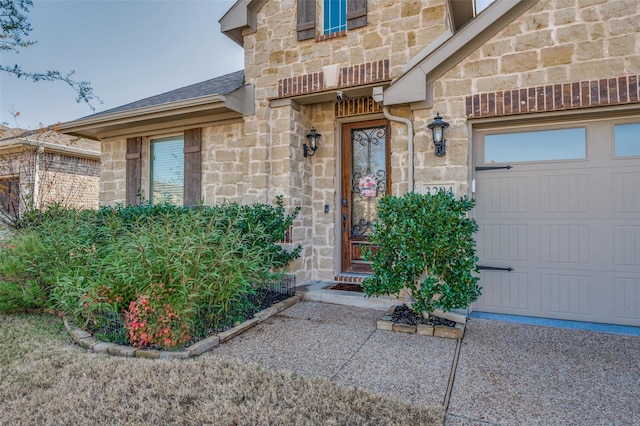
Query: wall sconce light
x,y
312,137
437,127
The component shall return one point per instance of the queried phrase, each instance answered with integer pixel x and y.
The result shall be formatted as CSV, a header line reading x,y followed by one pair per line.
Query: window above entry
x,y
337,16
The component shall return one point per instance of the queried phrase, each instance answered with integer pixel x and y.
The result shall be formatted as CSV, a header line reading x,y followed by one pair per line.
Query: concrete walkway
x,y
506,374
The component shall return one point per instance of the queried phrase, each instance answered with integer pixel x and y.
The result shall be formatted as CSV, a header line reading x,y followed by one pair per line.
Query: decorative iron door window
x,y
368,177
365,180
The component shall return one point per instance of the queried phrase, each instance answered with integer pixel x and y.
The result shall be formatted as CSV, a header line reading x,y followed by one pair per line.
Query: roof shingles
x,y
216,86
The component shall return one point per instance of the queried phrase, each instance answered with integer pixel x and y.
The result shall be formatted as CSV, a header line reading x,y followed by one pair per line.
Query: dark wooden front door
x,y
365,179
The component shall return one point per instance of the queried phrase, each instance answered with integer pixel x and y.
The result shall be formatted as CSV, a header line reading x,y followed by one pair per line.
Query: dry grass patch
x,y
45,379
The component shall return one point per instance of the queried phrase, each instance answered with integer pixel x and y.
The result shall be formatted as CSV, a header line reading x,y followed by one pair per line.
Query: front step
x,y
350,278
320,291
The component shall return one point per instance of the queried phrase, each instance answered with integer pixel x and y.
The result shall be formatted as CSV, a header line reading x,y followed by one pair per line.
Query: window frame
x,y
160,139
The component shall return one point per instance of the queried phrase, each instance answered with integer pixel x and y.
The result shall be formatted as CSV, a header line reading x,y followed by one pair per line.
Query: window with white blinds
x,y
167,170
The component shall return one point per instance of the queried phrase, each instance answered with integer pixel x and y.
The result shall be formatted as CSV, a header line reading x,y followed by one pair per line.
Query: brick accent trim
x,y
357,106
323,37
554,97
356,75
349,279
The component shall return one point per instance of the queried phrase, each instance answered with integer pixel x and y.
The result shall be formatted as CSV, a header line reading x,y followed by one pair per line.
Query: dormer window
x,y
337,16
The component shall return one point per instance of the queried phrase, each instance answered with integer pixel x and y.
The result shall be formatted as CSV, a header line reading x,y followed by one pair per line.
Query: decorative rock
x,y
449,332
78,334
148,353
384,324
119,350
424,329
174,355
203,345
404,328
102,347
87,342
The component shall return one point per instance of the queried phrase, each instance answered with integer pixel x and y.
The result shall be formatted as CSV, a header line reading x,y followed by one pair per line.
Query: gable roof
x,y
212,100
452,47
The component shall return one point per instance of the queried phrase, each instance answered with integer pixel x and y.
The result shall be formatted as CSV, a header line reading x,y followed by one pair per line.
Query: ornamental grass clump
x,y
149,275
426,247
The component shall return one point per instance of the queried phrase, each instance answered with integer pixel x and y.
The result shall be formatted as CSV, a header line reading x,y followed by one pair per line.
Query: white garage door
x,y
559,217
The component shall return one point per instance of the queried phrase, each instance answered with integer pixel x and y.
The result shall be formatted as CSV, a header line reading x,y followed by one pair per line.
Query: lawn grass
x,y
45,379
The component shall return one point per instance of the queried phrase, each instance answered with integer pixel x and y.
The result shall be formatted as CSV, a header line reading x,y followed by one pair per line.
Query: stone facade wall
x,y
113,168
279,66
553,45
396,31
557,48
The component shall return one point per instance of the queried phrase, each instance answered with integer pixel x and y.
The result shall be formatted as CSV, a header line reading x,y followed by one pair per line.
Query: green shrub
x,y
425,245
93,265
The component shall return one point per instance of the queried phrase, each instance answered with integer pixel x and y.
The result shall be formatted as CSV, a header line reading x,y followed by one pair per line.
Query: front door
x,y
365,179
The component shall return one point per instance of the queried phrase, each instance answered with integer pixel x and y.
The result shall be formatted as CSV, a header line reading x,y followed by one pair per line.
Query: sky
x,y
127,50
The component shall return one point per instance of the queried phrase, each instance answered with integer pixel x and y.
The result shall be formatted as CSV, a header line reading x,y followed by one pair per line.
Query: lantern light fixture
x,y
437,128
313,137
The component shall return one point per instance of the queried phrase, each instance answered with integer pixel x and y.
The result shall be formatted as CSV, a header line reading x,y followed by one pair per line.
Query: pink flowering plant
x,y
152,321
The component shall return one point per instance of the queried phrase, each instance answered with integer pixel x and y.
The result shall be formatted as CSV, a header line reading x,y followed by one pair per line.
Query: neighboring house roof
x,y
50,139
217,99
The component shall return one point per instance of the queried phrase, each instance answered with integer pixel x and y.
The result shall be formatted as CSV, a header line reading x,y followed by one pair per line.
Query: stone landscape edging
x,y
456,332
86,340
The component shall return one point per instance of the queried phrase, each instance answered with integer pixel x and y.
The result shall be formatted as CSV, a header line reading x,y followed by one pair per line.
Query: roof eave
x,y
190,112
243,15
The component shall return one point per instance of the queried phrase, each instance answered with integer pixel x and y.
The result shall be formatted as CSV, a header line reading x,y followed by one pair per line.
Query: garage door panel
x,y
626,190
564,193
564,243
505,195
627,298
565,293
505,292
626,245
503,242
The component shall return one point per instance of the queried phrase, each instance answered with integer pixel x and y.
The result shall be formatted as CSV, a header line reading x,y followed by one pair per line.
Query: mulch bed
x,y
403,315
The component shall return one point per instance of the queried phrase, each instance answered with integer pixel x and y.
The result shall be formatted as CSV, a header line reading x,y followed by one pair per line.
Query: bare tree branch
x,y
15,29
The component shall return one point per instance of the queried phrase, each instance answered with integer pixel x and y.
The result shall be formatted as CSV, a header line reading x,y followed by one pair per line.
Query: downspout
x,y
377,96
36,167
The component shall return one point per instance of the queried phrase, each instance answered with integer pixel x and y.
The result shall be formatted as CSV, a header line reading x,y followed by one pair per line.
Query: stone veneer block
x,y
119,350
404,328
383,324
174,355
226,335
448,332
203,345
148,353
102,347
87,342
78,334
424,329
451,316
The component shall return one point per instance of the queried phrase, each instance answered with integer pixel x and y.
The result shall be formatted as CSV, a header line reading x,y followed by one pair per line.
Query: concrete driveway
x,y
505,374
